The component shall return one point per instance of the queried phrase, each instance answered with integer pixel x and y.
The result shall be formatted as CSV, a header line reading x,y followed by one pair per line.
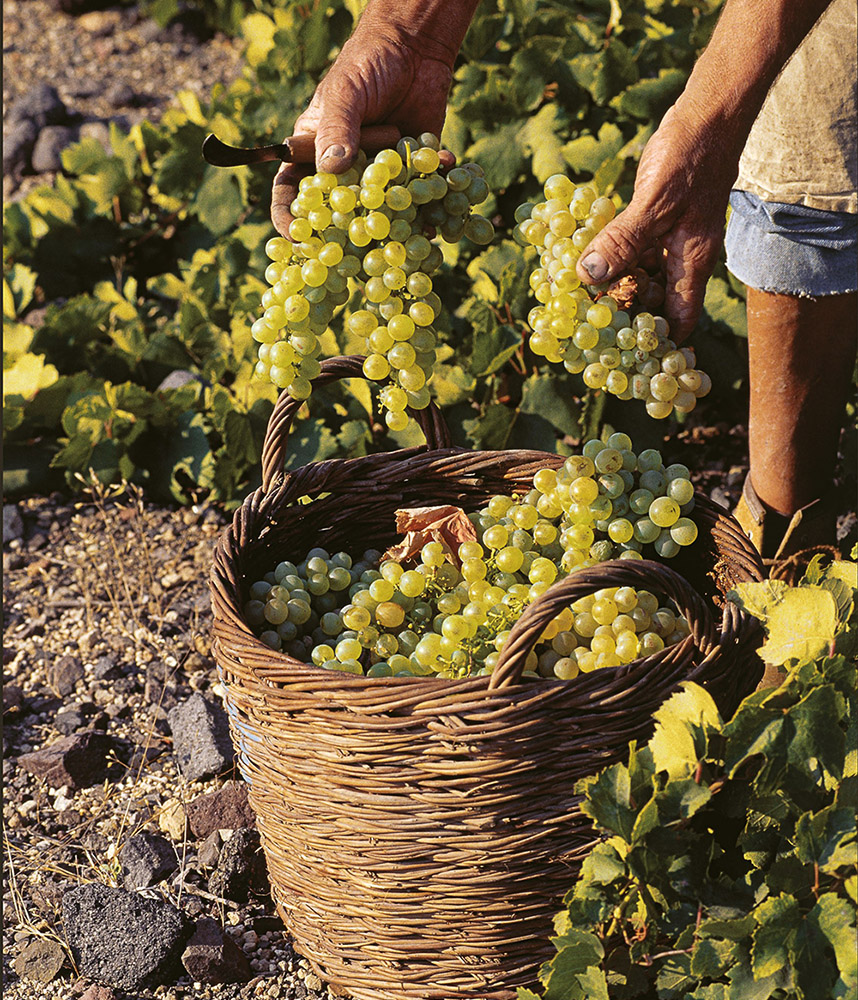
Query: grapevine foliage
x,y
131,283
729,866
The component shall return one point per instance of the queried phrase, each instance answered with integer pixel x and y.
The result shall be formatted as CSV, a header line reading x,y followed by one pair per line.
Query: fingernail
x,y
595,265
335,152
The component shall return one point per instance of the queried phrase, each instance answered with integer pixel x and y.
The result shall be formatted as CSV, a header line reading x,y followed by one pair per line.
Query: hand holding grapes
x,y
679,204
396,69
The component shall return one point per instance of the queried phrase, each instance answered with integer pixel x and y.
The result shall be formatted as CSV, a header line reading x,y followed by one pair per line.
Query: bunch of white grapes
x,y
450,613
369,227
631,357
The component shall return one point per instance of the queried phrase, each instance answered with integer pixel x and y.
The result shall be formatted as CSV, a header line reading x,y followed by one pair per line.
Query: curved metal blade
x,y
219,154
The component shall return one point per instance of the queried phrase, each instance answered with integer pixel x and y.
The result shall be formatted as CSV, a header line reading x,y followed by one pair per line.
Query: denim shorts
x,y
791,249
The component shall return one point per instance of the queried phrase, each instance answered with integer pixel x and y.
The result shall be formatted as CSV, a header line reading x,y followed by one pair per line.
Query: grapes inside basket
x,y
444,599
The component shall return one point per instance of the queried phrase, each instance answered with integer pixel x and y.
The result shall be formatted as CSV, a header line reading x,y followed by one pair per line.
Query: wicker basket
x,y
419,833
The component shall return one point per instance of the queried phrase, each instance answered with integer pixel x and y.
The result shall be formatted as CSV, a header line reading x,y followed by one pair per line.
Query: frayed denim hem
x,y
791,249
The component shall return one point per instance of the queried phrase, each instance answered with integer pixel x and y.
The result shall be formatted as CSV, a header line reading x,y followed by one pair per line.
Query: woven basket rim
x,y
309,673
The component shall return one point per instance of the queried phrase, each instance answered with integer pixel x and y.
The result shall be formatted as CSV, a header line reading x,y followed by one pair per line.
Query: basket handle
x,y
642,574
431,422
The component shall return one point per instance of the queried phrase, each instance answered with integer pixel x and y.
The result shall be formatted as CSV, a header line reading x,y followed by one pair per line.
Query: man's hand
x,y
688,166
679,204
379,77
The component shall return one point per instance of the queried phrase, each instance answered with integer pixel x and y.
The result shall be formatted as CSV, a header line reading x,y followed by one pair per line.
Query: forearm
x,y
437,26
750,45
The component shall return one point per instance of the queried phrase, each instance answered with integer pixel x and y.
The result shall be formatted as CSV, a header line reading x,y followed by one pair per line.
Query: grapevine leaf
x,y
680,799
84,157
814,572
604,73
551,397
827,838
754,731
813,971
683,725
239,438
836,919
491,430
777,921
674,977
735,928
594,984
607,800
843,594
758,598
725,309
219,202
712,991
802,625
451,384
27,376
353,438
843,570
311,441
17,339
532,432
649,99
648,819
577,952
19,287
492,350
258,31
539,138
500,155
744,985
817,734
711,958
524,994
603,865
587,153
482,34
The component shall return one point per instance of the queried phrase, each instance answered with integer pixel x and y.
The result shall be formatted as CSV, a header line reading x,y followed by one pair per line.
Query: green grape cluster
x,y
606,503
451,613
448,616
613,626
631,357
369,228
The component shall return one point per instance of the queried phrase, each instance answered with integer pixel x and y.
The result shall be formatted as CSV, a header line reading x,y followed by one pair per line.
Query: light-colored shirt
x,y
803,147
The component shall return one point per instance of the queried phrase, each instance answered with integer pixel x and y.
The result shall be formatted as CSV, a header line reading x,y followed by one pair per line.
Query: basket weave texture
x,y
420,832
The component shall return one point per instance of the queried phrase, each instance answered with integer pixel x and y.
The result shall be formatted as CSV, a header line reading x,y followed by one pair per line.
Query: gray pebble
x,y
122,938
18,142
41,104
47,153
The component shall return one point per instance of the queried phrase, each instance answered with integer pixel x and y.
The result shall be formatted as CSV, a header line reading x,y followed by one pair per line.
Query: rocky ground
x,y
110,64
121,796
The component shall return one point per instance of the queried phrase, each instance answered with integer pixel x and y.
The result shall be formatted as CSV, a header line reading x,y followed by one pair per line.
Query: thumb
x,y
337,137
618,247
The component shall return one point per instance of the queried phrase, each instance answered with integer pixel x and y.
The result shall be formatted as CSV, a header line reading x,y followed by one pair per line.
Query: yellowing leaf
x,y
845,571
682,725
190,104
802,625
17,338
8,301
758,599
27,376
539,138
258,31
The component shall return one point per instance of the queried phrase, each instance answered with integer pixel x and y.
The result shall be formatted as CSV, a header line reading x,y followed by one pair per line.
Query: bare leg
x,y
801,359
